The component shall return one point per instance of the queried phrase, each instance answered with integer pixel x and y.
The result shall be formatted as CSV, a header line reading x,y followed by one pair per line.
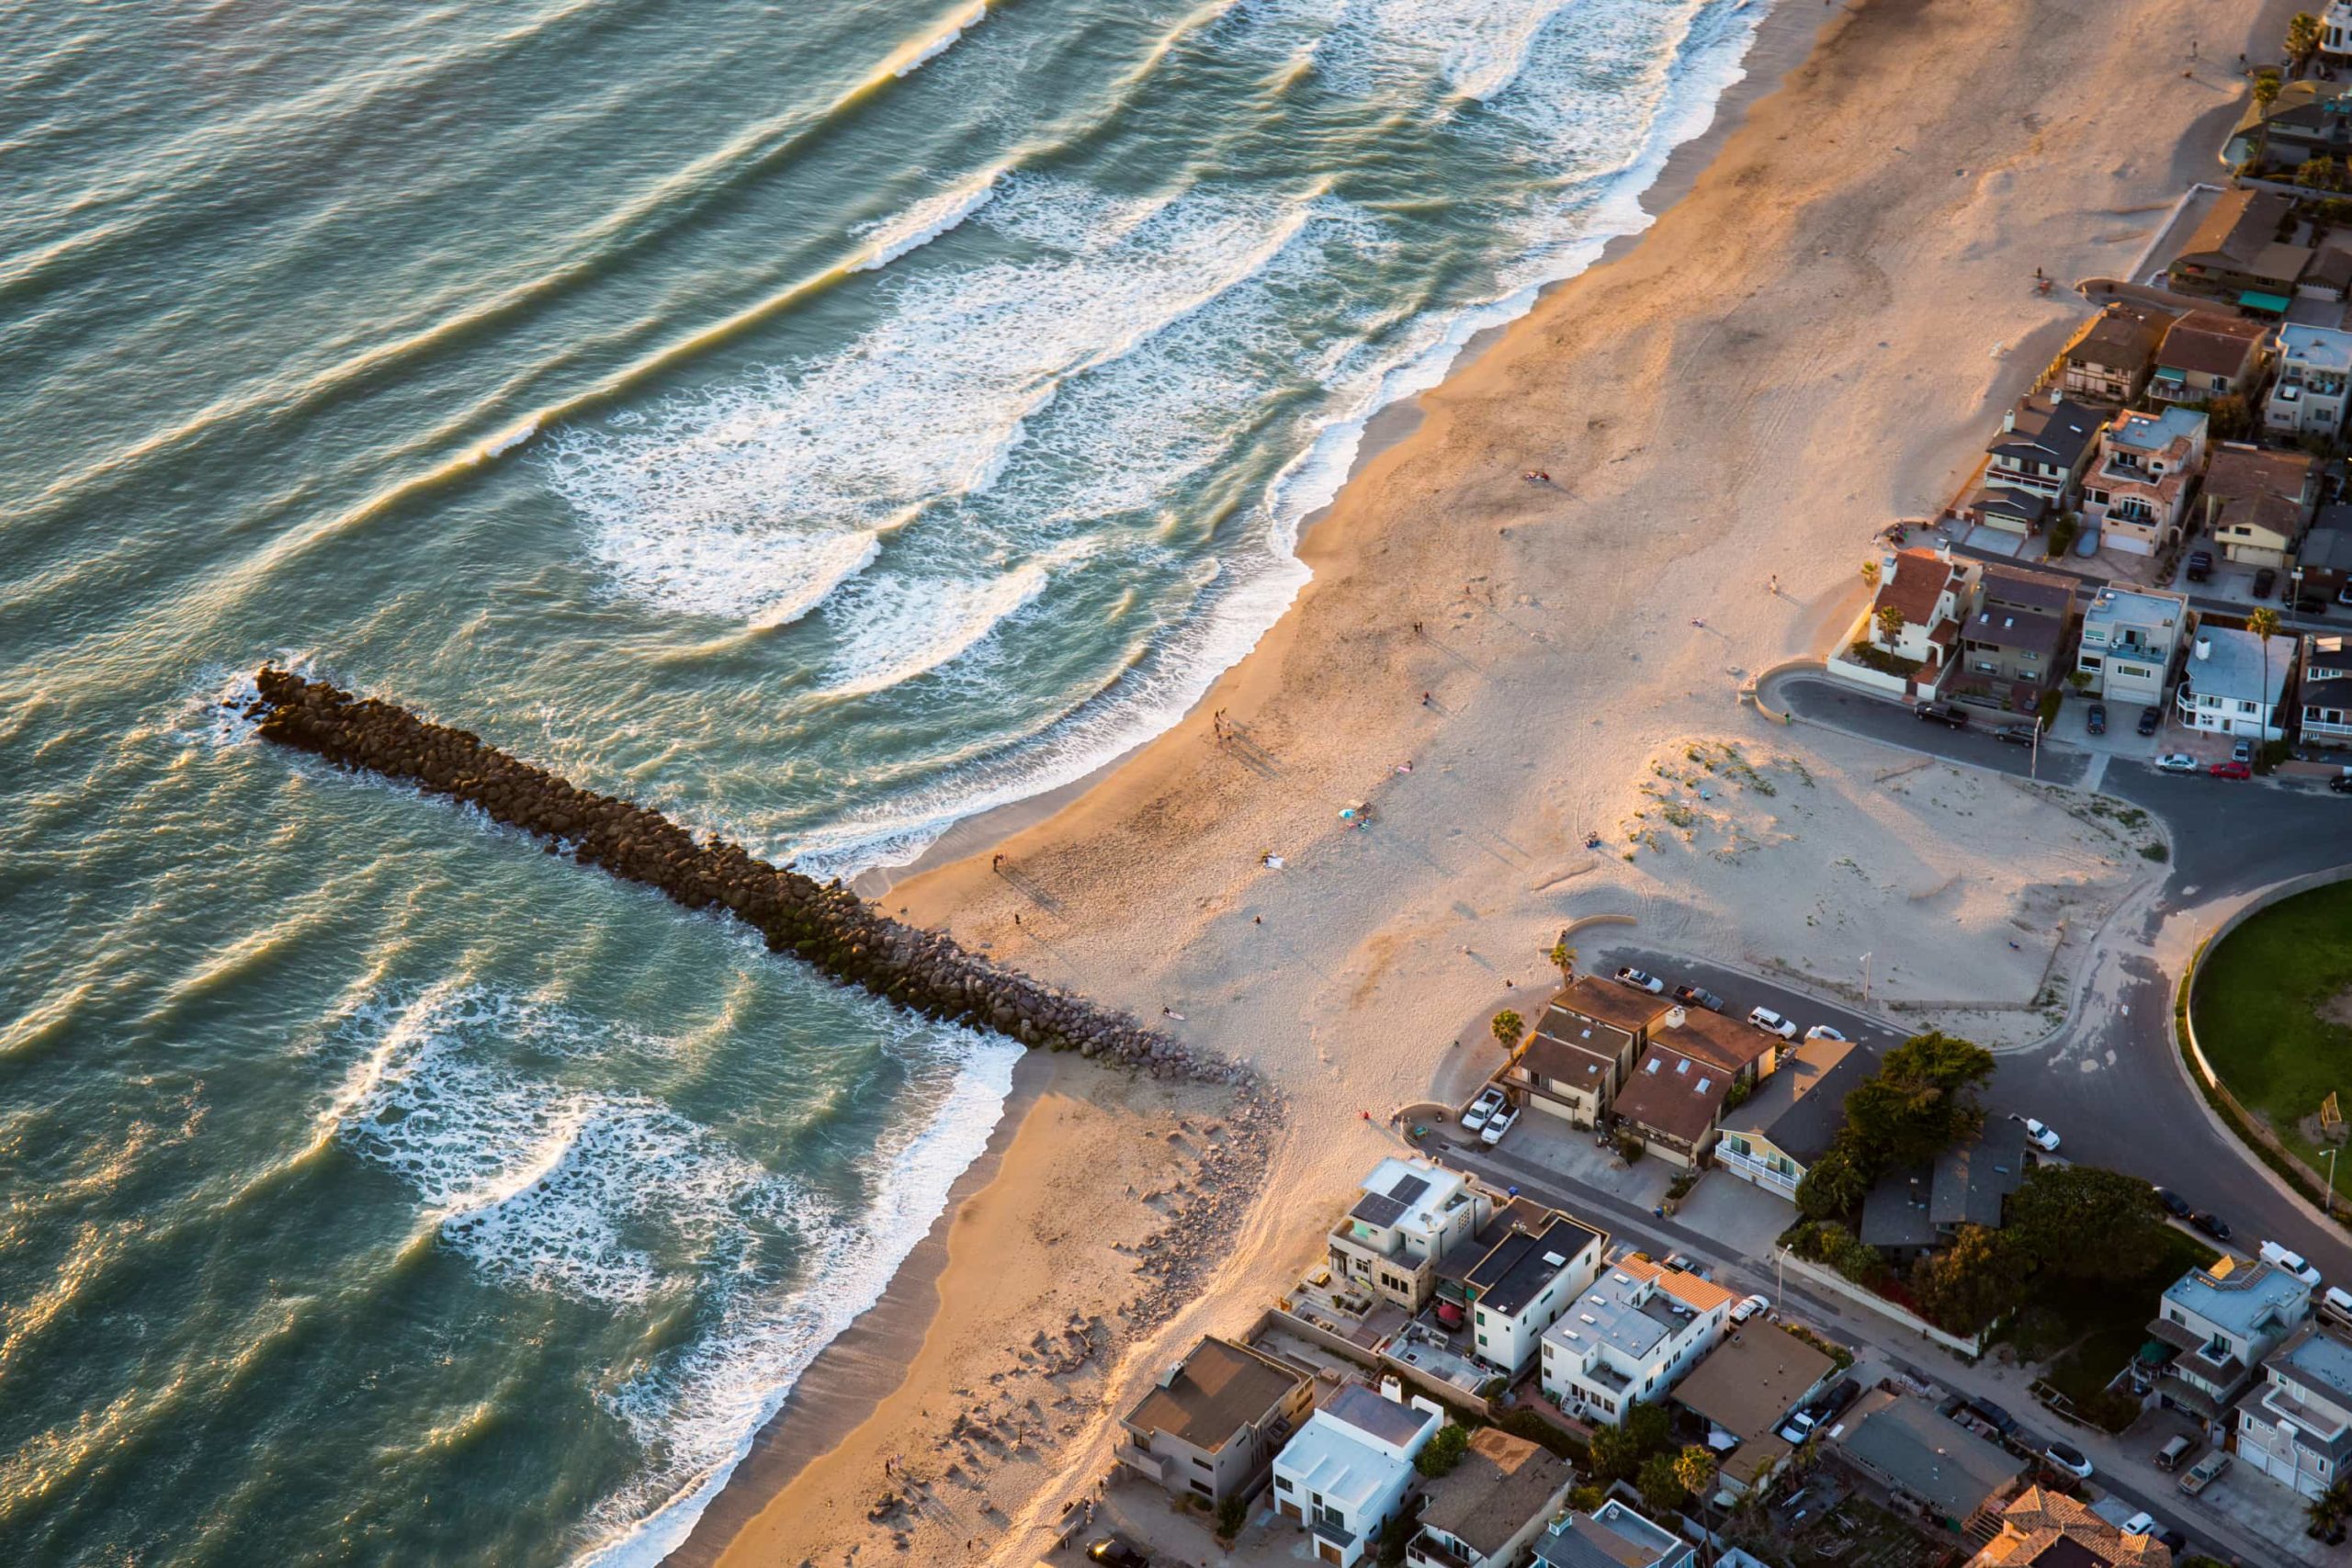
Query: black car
x,y
1951,714
2016,734
1698,997
2002,1421
2341,784
2212,1224
2173,1539
2265,581
2174,1205
2309,603
1118,1551
2097,718
2201,565
2150,719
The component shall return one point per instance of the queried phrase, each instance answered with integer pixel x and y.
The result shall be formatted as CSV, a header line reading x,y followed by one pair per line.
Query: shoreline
x,y
1785,38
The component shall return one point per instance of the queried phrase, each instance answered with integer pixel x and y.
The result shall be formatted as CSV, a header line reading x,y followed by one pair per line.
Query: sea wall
x,y
824,923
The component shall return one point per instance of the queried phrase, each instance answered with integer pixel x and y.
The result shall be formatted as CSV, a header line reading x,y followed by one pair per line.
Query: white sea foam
x,y
932,48
895,628
926,221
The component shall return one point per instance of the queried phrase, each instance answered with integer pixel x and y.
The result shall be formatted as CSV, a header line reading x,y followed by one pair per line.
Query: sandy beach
x,y
1811,341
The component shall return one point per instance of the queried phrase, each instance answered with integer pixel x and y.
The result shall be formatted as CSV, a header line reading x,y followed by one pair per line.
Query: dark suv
x,y
2201,565
1951,714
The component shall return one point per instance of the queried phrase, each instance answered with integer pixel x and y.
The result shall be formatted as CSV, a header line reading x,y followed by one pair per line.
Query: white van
x,y
2291,1261
2337,1304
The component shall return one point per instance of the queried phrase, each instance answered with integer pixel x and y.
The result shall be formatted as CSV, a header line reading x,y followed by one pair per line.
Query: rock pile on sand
x,y
824,923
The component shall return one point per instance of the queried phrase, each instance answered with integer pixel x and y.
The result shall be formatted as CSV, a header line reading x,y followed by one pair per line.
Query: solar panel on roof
x,y
1408,1190
1374,1209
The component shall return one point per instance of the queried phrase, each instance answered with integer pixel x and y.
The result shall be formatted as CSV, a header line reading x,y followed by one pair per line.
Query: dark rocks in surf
x,y
824,923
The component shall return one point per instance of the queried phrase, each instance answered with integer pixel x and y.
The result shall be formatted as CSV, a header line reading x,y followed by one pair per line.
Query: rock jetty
x,y
824,923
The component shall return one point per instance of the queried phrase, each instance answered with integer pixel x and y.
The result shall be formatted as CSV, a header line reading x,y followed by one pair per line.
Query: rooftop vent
x,y
1556,1260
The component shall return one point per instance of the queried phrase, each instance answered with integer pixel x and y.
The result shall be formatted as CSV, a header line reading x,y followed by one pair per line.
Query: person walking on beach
x,y
996,862
1425,699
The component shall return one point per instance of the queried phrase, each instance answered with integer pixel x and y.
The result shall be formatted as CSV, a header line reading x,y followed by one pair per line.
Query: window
x,y
1203,1488
1200,1463
1281,1482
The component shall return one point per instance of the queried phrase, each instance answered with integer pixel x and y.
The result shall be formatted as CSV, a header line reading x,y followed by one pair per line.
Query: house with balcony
x,y
2042,445
1676,1094
1522,1284
2136,492
1774,1137
2013,645
2308,118
2243,251
1744,1389
2128,635
2295,1425
2335,31
2205,356
1628,1337
2256,503
2233,683
1613,1536
2325,695
2315,380
1582,1048
2113,357
1210,1427
1344,1479
1487,1511
1906,639
1410,1215
2222,1321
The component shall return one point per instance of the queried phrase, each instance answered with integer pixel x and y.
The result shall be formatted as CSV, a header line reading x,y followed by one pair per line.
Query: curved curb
x,y
2189,1056
1752,693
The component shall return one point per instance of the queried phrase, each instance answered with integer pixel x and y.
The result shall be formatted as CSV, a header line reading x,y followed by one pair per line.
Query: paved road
x,y
2111,1085
1875,1337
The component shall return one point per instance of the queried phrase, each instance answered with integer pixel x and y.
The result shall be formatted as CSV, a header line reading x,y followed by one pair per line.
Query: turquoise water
x,y
823,423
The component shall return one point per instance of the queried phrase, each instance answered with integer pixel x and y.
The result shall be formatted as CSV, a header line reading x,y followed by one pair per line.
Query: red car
x,y
2230,771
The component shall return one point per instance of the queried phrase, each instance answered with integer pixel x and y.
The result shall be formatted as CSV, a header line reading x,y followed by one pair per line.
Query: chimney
x,y
1675,1018
2204,648
1390,1389
2009,418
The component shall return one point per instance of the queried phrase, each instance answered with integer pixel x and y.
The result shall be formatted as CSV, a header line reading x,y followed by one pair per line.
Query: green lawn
x,y
2087,1329
2257,1012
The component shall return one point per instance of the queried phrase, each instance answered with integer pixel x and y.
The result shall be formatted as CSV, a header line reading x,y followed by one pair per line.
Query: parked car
x,y
2041,1135
2230,771
1772,1022
1833,1404
2000,1419
2264,582
1640,981
2174,1205
2200,1474
2068,1458
2289,1260
1750,1307
2241,751
1698,997
2201,565
2152,718
1497,1125
2212,1223
2309,603
2016,734
2341,784
2335,1304
2141,1523
2177,763
2175,1450
1119,1552
1485,1106
2097,718
1823,1031
1951,714
1797,1428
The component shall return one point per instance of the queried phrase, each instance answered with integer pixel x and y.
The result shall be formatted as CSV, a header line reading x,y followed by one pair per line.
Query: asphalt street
x,y
2112,1085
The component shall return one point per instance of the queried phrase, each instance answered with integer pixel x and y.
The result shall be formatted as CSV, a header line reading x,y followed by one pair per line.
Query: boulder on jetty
x,y
824,923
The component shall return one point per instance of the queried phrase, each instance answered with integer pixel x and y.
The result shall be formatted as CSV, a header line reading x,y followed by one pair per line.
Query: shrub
x,y
1443,1451
1231,1515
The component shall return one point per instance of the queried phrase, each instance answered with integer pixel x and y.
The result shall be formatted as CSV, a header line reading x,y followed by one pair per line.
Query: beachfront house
x,y
1744,1389
1946,1472
2243,251
2113,357
2220,1322
2012,646
1409,1214
1628,1337
1613,1536
2136,493
2207,356
1210,1427
2042,445
1344,1477
1582,1048
1523,1283
1677,1093
1488,1510
2128,635
2335,31
2295,1426
2308,119
2233,683
2314,378
2256,503
2325,697
1773,1138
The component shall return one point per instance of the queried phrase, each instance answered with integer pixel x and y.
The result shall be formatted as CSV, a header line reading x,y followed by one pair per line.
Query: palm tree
x,y
2330,1505
1889,624
1508,1027
2266,92
1564,959
2262,624
2302,39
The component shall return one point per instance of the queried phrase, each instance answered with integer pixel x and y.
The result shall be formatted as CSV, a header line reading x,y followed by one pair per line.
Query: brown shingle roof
x,y
1501,1483
2207,343
2238,227
1920,578
1621,1007
1748,1383
2040,1520
2263,489
1727,1043
1672,1093
1220,1388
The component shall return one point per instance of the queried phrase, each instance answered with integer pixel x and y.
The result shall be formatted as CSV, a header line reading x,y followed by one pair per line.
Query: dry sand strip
x,y
1800,349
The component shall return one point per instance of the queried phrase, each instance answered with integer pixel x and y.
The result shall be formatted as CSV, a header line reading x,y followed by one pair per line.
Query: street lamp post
x,y
2034,767
2331,1182
1866,979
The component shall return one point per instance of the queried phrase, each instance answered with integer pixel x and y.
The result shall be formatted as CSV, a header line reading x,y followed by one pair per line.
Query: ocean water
x,y
822,421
